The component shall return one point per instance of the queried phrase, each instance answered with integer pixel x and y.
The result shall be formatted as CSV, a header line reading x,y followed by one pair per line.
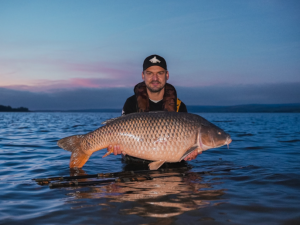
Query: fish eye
x,y
219,133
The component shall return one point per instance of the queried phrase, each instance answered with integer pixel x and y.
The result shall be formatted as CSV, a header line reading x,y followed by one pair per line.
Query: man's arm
x,y
182,108
129,106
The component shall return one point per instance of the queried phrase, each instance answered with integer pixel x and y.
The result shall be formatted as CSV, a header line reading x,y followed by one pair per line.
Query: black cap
x,y
154,60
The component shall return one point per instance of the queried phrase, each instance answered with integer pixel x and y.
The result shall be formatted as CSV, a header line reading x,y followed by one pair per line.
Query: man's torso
x,y
130,106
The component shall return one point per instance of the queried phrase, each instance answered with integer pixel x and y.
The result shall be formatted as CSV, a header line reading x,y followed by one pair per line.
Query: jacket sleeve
x,y
129,106
182,108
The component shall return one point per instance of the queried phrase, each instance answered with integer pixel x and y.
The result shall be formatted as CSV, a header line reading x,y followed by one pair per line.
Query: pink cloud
x,y
84,68
96,67
73,83
85,75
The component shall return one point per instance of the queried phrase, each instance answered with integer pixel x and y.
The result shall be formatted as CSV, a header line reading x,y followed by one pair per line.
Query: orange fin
x,y
155,165
78,159
74,145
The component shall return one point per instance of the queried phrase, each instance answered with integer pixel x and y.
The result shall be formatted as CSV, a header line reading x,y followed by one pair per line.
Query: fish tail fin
x,y
78,159
74,144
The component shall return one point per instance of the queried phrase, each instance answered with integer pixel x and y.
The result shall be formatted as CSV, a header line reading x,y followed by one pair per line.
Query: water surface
x,y
255,181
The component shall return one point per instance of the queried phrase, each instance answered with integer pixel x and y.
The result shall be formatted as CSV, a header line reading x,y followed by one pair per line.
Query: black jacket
x,y
130,106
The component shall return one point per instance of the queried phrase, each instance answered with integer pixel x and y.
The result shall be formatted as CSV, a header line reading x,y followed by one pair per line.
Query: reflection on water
x,y
168,194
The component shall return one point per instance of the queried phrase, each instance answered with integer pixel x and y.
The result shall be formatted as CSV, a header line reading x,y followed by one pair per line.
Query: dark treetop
x,y
10,109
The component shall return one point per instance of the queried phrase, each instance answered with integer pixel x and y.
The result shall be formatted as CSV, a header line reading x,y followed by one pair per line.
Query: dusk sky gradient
x,y
89,54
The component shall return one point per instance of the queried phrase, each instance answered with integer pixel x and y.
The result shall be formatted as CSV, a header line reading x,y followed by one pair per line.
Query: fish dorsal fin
x,y
193,148
111,120
155,165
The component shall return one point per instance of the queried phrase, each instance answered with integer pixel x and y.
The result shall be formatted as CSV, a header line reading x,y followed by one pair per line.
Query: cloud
x,y
62,74
96,98
84,75
51,86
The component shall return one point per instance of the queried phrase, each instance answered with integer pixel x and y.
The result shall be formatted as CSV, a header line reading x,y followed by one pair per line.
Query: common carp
x,y
156,136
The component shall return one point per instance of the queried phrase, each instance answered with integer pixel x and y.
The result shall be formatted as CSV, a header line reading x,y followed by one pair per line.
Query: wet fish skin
x,y
156,136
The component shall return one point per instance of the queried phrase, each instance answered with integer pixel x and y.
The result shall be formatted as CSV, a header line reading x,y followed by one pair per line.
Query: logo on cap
x,y
154,60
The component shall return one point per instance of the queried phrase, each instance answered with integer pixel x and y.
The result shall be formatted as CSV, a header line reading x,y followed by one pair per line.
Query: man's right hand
x,y
116,149
192,156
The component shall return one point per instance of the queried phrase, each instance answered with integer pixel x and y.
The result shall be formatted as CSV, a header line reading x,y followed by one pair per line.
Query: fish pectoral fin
x,y
193,148
155,165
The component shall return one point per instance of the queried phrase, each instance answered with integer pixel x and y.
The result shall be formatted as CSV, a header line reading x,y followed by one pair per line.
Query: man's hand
x,y
116,149
192,156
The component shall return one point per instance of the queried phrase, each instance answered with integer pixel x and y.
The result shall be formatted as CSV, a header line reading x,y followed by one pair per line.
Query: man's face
x,y
155,78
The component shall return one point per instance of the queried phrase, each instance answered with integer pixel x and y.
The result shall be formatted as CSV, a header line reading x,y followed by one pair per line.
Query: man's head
x,y
155,73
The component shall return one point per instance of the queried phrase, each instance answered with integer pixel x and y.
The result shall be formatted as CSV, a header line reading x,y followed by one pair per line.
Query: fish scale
x,y
155,136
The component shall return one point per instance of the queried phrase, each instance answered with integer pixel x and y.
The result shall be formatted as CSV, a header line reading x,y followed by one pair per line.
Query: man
x,y
153,94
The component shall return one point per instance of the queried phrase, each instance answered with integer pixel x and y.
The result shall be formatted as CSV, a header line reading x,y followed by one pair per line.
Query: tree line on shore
x,y
10,109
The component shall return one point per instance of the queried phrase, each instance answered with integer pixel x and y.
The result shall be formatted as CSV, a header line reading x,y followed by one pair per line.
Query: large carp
x,y
157,136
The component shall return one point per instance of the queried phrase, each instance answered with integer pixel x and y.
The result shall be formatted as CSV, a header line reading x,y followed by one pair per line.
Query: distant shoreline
x,y
10,109
252,108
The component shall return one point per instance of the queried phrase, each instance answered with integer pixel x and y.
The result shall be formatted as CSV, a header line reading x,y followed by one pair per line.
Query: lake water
x,y
255,181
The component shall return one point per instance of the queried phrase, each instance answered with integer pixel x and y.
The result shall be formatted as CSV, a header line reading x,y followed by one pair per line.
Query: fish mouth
x,y
228,140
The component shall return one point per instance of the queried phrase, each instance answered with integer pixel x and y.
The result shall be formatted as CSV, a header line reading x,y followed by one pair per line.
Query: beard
x,y
158,89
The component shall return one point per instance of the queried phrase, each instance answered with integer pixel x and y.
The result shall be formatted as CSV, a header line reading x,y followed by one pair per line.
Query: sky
x,y
89,54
